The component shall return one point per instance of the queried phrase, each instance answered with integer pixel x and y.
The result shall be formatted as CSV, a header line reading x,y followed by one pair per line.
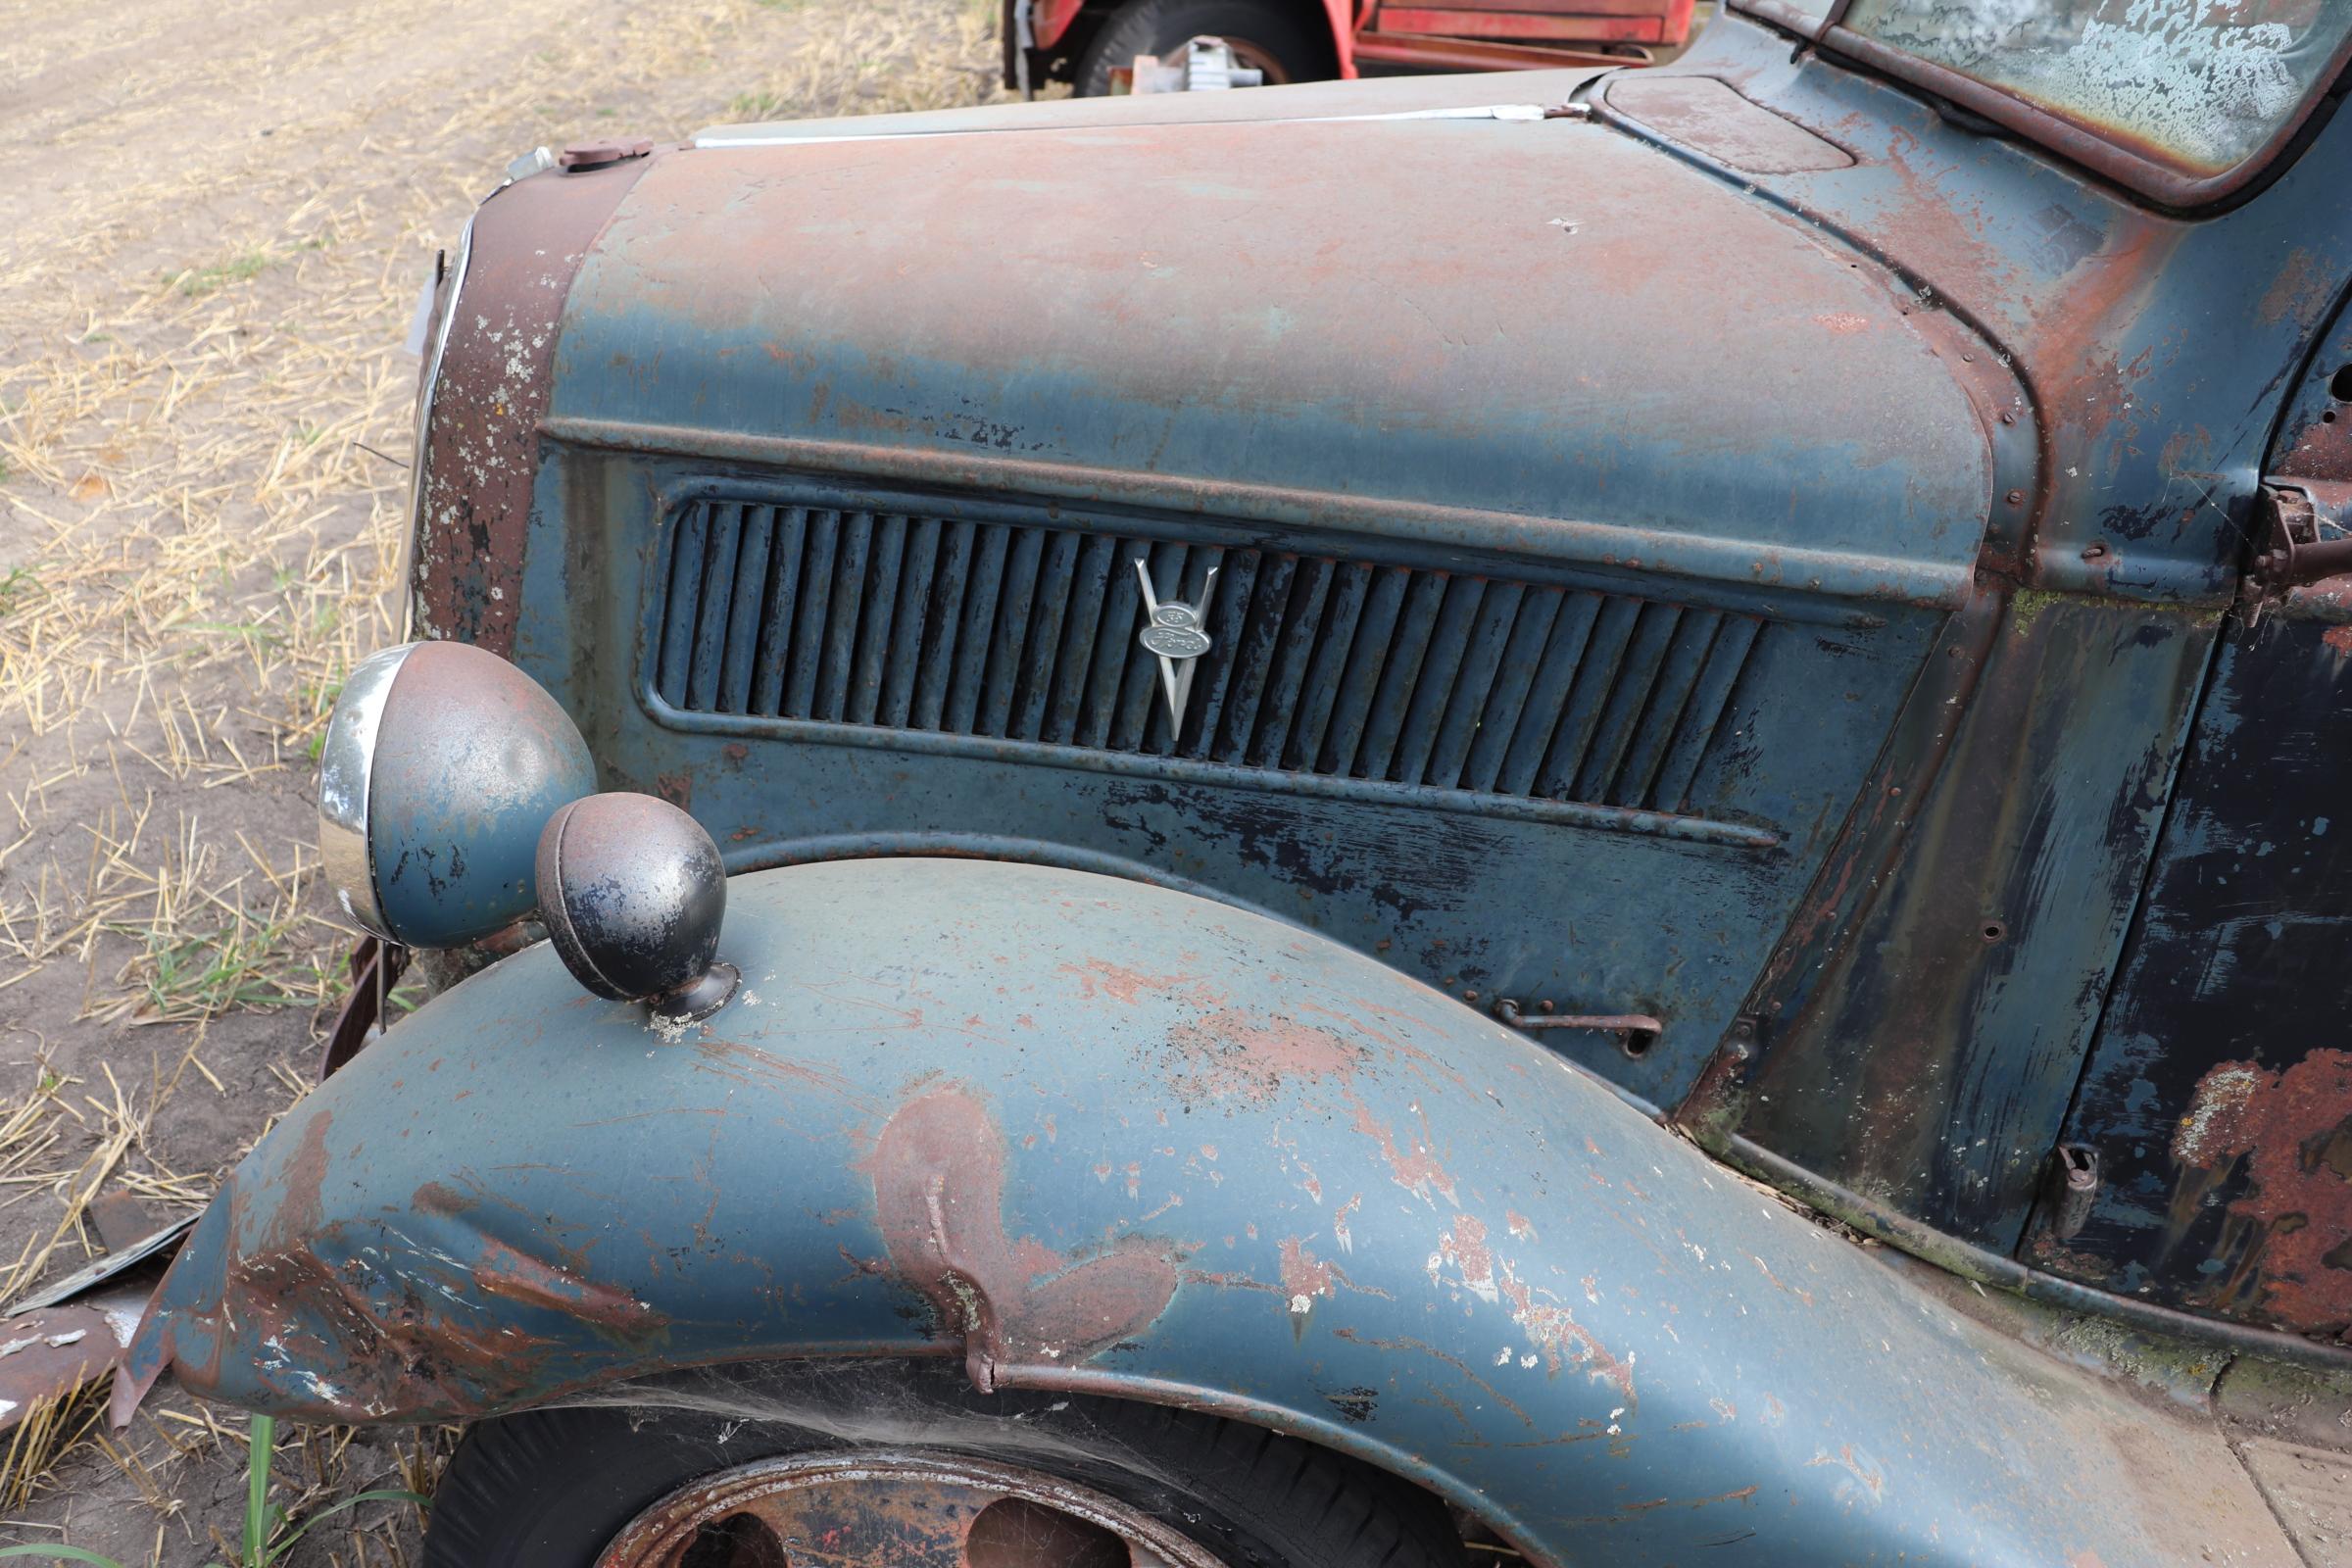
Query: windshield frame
x,y
2102,153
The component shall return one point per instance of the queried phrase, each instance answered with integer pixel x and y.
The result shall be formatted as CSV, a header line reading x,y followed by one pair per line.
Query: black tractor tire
x,y
1290,42
552,1489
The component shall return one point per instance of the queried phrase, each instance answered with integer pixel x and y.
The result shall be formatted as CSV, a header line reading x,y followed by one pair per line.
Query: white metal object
x,y
1197,65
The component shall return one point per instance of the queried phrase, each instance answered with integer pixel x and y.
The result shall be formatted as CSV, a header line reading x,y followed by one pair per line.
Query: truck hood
x,y
1369,304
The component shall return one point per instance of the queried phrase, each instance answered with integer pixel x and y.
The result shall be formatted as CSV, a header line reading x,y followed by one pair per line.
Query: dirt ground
x,y
217,218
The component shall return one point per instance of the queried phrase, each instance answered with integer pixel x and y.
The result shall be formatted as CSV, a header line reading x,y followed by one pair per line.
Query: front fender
x,y
1093,1135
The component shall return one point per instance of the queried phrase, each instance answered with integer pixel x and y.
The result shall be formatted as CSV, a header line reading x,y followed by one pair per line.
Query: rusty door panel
x,y
2219,1098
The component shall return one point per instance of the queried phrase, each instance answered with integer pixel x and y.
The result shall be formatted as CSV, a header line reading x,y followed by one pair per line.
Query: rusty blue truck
x,y
1589,818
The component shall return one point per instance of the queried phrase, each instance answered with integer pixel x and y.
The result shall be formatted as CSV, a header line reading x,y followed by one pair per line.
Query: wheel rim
x,y
1257,56
895,1510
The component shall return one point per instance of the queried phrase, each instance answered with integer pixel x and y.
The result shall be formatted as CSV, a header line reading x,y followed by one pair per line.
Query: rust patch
x,y
1464,1246
511,1276
2301,290
1340,1231
482,450
1564,1342
1414,1168
48,1353
360,1319
349,1342
297,1210
1231,1055
1100,977
2338,639
2288,1240
1867,1475
441,1200
2187,453
939,1198
1303,1275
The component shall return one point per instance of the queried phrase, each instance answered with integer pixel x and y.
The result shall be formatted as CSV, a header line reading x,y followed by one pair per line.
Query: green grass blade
x,y
334,1508
261,1443
60,1555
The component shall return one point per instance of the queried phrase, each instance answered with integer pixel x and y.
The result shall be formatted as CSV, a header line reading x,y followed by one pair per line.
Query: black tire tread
x,y
1280,1501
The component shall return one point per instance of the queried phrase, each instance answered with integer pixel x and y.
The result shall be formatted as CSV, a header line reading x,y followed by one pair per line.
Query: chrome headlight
x,y
441,764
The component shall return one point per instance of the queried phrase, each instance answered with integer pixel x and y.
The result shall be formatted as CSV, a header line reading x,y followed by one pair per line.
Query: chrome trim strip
x,y
747,137
346,762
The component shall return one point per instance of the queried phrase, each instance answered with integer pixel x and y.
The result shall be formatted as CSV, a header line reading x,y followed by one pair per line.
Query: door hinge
x,y
2303,533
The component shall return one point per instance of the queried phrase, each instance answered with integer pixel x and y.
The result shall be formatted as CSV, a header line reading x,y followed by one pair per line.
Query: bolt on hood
x,y
1541,321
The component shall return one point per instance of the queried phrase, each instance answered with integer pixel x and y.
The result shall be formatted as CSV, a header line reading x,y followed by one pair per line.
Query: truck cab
x,y
1606,794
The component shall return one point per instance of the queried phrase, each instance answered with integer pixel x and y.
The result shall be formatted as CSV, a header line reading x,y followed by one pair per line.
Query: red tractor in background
x,y
1088,43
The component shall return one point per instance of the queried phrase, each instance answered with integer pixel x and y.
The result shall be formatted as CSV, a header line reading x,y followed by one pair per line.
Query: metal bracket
x,y
2304,537
2073,1189
375,968
1637,1032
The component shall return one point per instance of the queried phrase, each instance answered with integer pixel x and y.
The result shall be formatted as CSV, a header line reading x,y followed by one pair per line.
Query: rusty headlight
x,y
441,764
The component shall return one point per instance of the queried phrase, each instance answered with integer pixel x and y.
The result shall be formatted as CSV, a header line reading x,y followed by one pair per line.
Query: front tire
x,y
1289,43
922,1464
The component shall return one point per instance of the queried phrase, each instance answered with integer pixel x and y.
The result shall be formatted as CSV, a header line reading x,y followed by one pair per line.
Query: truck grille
x,y
1339,668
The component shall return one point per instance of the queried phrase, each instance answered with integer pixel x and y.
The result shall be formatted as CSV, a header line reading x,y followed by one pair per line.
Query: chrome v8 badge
x,y
1172,632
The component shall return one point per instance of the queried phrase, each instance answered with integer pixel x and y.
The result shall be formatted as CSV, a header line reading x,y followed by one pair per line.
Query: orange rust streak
x,y
1303,1273
2293,1129
1234,1055
1101,977
939,1198
1563,1340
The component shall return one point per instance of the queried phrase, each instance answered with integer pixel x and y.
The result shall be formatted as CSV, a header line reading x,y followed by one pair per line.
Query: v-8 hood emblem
x,y
1172,630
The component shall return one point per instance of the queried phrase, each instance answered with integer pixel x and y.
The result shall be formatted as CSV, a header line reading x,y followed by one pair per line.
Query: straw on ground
x,y
222,214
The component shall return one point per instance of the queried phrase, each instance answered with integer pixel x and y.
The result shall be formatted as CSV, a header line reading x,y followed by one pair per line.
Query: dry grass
x,y
50,1429
203,497
204,406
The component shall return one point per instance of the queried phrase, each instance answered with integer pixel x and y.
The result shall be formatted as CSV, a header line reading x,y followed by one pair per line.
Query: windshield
x,y
2201,86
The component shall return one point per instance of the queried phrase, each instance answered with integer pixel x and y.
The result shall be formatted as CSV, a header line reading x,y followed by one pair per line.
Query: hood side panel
x,y
1502,317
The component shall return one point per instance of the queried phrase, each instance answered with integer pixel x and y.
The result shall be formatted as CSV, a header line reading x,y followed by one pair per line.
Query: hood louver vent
x,y
1337,668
